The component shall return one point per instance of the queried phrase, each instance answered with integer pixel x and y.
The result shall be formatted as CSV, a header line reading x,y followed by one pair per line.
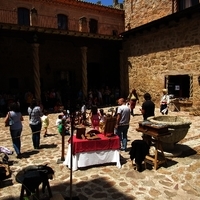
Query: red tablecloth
x,y
104,143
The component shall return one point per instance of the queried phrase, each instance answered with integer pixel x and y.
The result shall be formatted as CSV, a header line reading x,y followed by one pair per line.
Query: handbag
x,y
9,121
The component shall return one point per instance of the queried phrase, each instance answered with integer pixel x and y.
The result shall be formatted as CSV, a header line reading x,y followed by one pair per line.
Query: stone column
x,y
84,70
122,74
191,86
36,70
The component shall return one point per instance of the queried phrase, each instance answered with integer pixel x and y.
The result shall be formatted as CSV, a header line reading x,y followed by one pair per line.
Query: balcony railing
x,y
42,21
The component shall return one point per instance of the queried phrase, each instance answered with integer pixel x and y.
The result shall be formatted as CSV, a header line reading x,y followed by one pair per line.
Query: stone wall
x,y
139,12
172,49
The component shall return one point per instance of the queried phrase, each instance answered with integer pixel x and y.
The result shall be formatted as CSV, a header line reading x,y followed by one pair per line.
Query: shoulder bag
x,y
9,121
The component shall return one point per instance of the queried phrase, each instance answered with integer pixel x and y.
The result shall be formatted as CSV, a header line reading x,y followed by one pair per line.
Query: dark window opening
x,y
62,22
183,4
23,16
179,86
115,32
93,25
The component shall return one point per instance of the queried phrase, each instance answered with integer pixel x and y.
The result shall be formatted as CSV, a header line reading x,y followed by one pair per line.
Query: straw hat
x,y
164,90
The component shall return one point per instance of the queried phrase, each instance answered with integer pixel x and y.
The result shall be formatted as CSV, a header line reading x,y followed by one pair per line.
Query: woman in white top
x,y
15,127
164,102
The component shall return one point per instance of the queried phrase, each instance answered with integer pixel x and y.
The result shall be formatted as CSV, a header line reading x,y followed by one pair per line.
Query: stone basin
x,y
176,126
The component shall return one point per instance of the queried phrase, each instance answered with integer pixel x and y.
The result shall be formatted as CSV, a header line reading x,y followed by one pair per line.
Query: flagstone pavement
x,y
178,180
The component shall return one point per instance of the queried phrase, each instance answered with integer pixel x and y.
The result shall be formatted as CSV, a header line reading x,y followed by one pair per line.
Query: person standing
x,y
164,102
95,117
15,127
148,107
147,110
45,122
83,113
35,124
133,99
122,122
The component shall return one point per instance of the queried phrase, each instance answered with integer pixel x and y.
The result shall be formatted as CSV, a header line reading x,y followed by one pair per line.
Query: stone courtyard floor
x,y
178,180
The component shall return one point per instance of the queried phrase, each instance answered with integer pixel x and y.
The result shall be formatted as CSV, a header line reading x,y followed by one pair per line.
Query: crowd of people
x,y
38,118
53,100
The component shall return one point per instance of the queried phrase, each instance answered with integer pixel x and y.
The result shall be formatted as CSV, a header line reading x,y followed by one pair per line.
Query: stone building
x,y
60,44
161,49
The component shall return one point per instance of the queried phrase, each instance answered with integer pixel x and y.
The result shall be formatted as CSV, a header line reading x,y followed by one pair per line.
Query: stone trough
x,y
176,126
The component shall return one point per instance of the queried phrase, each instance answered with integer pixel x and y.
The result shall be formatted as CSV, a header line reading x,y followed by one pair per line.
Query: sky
x,y
104,2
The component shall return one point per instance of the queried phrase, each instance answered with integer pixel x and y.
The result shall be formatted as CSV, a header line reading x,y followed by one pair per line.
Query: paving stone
x,y
179,180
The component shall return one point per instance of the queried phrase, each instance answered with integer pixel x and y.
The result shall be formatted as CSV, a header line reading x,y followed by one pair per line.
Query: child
x,y
102,119
63,128
59,120
95,117
45,122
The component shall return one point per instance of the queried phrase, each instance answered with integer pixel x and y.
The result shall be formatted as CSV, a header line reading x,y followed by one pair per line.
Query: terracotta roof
x,y
83,4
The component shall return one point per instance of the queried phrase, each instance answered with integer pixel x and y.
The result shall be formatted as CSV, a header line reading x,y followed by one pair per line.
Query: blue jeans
x,y
16,140
36,134
122,133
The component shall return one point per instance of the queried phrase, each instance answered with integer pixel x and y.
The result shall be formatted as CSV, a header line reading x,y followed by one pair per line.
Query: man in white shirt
x,y
122,124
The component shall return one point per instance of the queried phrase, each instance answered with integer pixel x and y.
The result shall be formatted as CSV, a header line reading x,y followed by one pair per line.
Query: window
x,y
179,86
23,16
115,32
62,22
182,4
93,25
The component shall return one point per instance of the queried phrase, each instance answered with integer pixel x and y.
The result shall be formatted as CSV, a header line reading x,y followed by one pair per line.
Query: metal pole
x,y
63,144
71,160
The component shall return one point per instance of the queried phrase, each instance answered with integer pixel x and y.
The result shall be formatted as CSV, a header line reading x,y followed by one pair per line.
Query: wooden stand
x,y
80,132
152,135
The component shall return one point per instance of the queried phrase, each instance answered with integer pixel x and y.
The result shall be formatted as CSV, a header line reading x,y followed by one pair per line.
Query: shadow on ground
x,y
99,188
47,146
185,150
27,154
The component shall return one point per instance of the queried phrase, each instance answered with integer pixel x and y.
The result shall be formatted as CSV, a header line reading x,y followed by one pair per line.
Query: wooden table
x,y
152,134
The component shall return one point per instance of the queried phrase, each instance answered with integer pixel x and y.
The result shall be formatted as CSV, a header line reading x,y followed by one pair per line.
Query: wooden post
x,y
71,156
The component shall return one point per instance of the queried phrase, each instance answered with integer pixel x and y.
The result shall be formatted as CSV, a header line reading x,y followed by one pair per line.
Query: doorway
x,y
179,86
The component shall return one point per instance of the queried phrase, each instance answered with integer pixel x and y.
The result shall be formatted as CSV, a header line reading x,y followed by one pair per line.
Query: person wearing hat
x,y
164,102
